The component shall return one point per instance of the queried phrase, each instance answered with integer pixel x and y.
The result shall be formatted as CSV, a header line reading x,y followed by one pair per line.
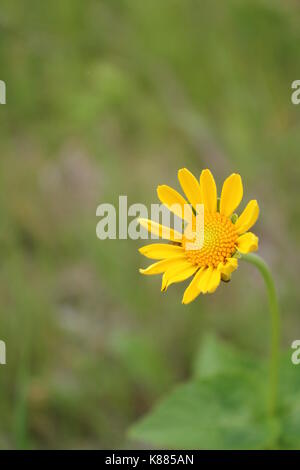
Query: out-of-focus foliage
x,y
111,97
225,405
222,408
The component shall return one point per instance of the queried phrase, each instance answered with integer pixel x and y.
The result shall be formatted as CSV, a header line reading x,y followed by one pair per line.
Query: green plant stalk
x,y
275,327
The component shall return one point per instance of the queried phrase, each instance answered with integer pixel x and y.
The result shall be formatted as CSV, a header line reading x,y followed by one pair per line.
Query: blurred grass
x,y
108,98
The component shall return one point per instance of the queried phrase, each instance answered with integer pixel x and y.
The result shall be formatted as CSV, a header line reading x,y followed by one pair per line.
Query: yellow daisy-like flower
x,y
225,234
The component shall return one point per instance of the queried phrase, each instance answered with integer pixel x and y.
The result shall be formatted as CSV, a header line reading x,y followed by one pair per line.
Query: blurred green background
x,y
113,97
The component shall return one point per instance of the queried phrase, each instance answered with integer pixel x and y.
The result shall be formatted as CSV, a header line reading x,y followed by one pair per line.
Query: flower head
x,y
213,257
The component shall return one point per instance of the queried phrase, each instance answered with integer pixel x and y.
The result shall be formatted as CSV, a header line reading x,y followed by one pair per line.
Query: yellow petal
x,y
247,242
190,187
213,281
177,274
194,288
161,251
208,191
232,194
228,267
210,280
175,202
161,231
248,217
162,266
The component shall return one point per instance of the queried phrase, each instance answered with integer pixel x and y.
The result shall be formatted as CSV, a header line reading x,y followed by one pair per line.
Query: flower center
x,y
219,242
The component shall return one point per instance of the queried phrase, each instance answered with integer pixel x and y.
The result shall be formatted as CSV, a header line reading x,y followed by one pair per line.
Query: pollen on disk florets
x,y
219,244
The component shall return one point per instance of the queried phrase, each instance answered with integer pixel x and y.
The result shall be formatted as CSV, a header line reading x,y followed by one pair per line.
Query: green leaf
x,y
215,357
220,412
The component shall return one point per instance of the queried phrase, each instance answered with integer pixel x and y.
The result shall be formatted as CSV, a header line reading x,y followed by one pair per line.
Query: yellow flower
x,y
225,235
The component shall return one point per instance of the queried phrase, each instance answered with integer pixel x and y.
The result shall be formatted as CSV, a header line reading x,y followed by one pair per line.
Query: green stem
x,y
275,327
